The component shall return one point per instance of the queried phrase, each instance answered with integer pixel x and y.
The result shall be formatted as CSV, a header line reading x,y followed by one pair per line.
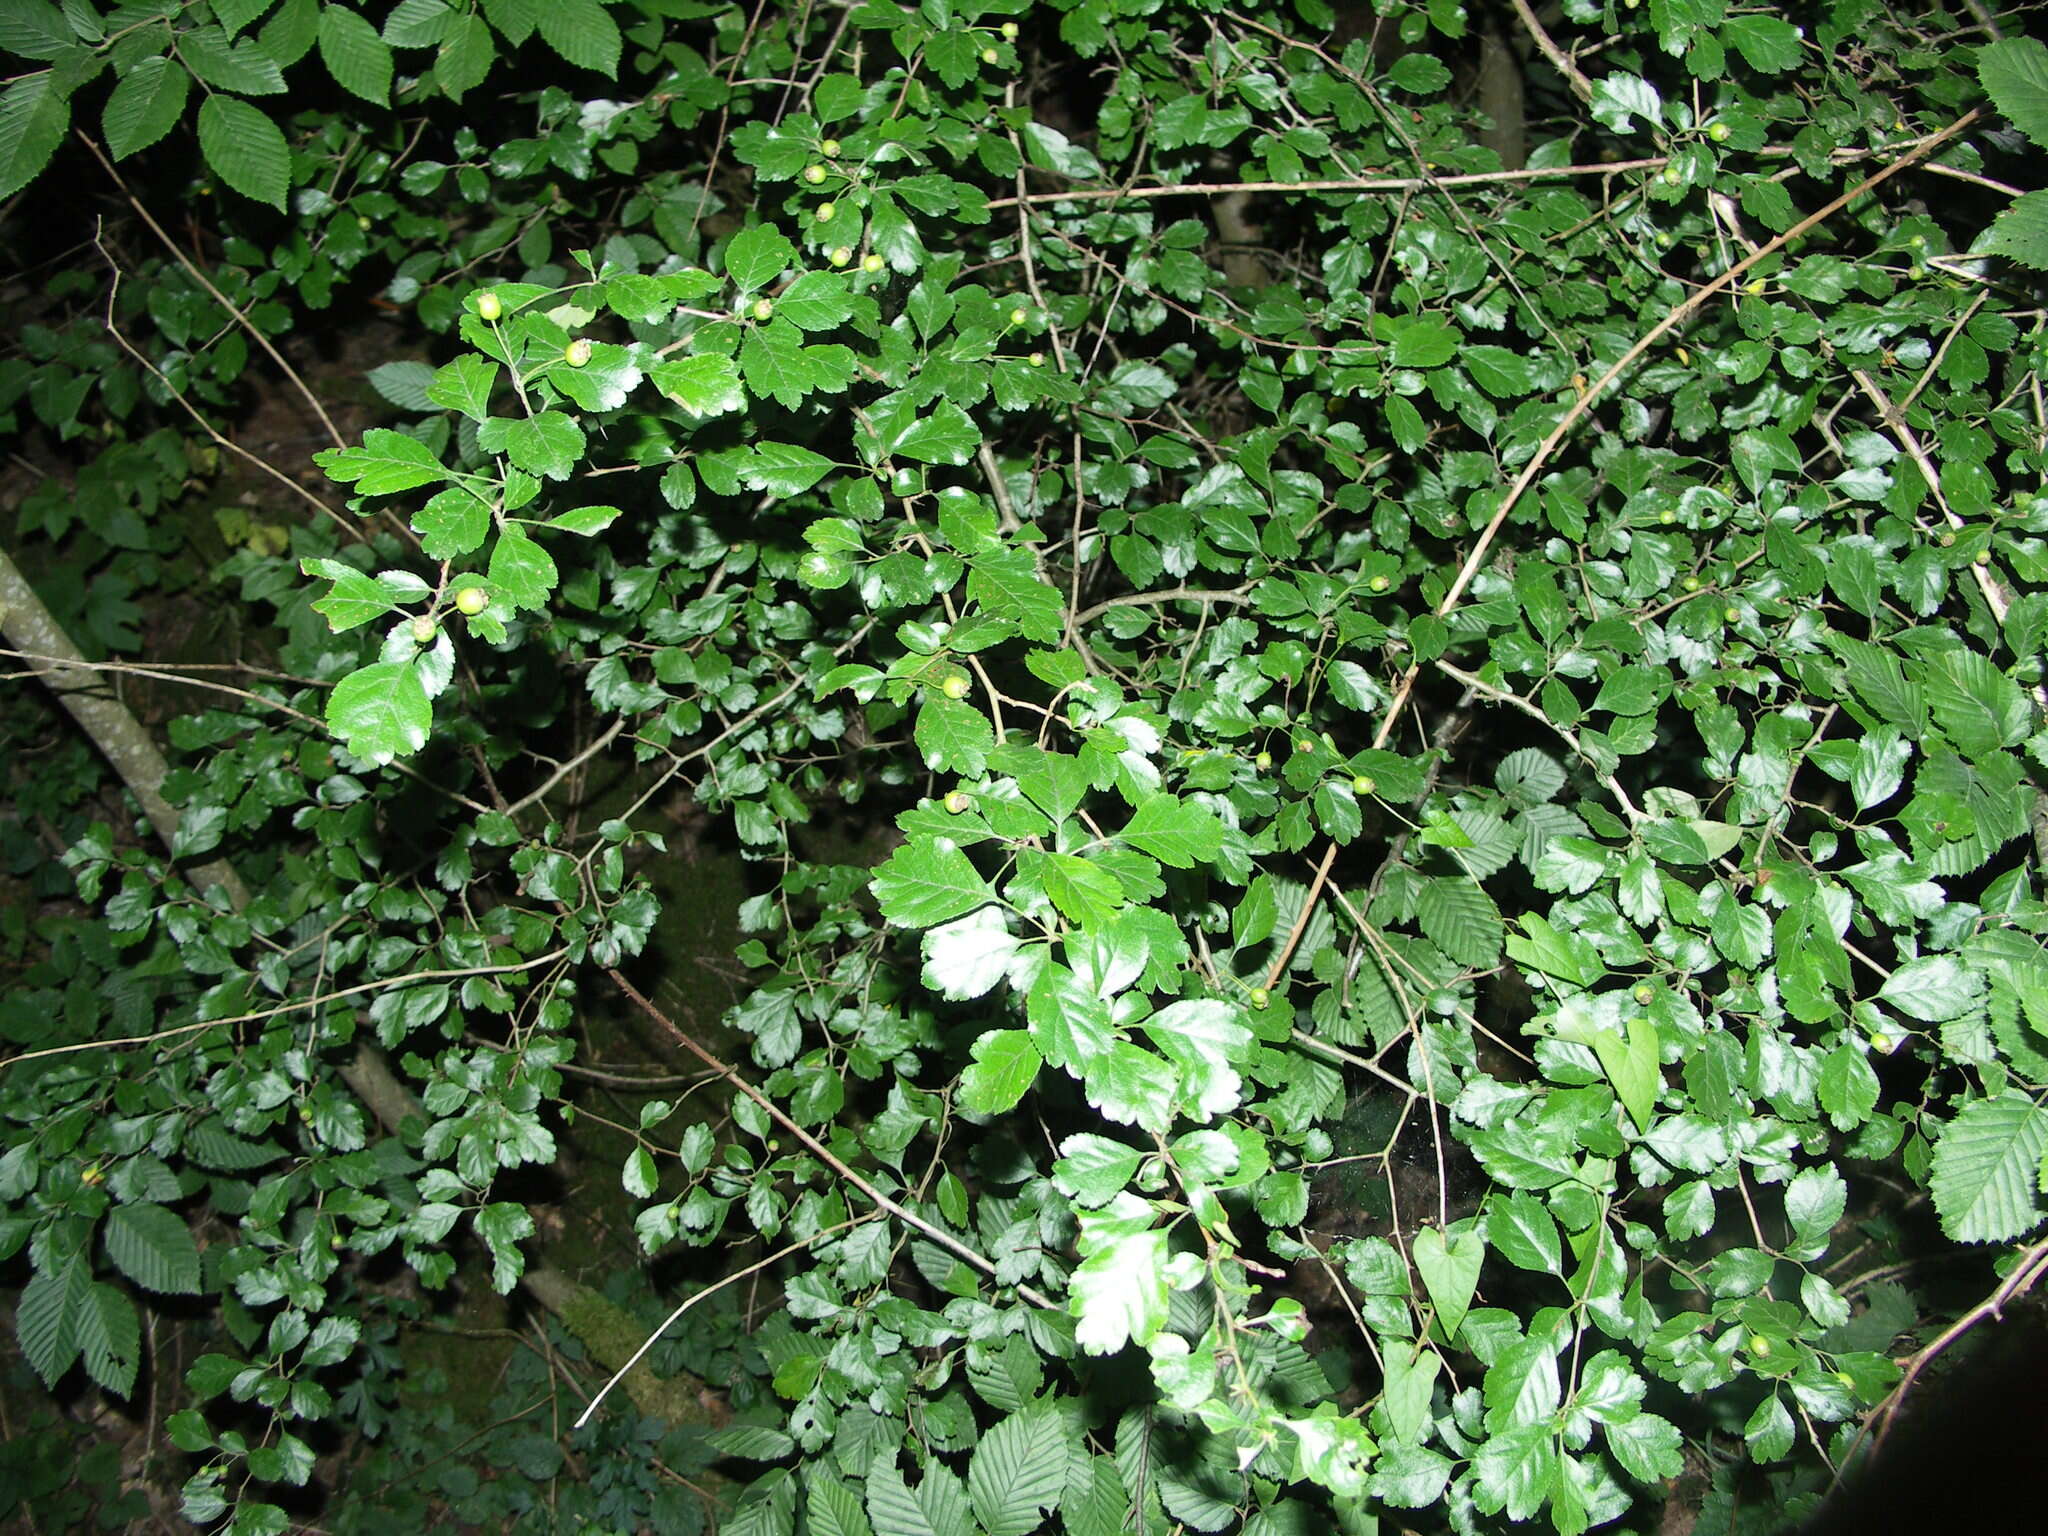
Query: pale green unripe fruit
x,y
814,174
956,686
872,262
489,306
577,353
424,631
472,601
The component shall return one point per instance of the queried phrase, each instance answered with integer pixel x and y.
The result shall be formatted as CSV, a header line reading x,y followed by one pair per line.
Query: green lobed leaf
x,y
1460,919
1118,1291
381,711
581,31
549,444
927,881
1174,831
1450,1271
33,121
148,103
358,59
1004,1066
153,1247
704,385
2014,73
756,256
1985,1172
521,571
243,148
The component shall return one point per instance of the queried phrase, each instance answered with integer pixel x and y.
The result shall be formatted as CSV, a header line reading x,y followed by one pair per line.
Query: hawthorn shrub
x,y
1429,618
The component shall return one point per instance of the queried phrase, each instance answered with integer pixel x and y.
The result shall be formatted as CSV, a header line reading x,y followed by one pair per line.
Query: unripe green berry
x,y
814,174
1718,132
1036,359
362,221
1691,583
1363,784
1306,744
839,256
1671,176
1010,30
577,353
1379,583
1019,316
1260,997
424,631
990,56
763,309
1667,517
489,306
1645,993
829,148
958,801
1982,557
472,601
824,211
956,686
872,262
1731,615
1263,761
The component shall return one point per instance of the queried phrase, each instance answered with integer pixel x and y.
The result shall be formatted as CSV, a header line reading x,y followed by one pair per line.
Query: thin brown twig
x,y
220,440
255,331
1308,907
1333,184
710,1290
817,1148
2032,1266
1672,320
1546,45
381,984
